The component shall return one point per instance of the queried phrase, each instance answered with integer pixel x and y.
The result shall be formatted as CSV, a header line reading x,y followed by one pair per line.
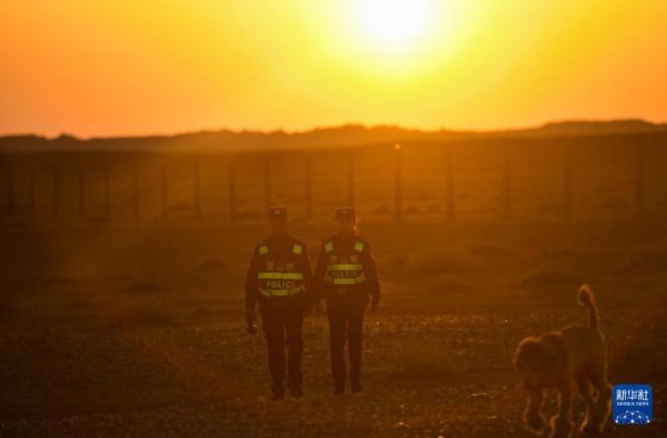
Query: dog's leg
x,y
602,407
585,391
561,424
532,417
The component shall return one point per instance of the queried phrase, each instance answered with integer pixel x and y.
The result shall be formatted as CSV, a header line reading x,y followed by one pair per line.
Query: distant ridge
x,y
345,135
601,127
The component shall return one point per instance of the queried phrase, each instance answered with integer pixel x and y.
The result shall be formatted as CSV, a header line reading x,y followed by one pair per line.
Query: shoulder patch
x,y
328,247
263,250
359,246
297,249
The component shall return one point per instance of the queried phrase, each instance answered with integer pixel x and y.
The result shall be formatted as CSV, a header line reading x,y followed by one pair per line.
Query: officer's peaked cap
x,y
345,213
278,213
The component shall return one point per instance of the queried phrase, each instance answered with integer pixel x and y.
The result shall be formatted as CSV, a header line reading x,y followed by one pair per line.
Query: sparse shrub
x,y
213,263
488,251
393,266
637,358
141,317
138,313
144,286
415,364
450,285
549,279
614,204
56,280
421,196
383,209
439,262
650,259
6,308
434,209
98,219
412,209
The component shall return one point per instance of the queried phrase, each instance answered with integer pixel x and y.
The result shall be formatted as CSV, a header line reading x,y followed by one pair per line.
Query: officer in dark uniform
x,y
280,280
347,280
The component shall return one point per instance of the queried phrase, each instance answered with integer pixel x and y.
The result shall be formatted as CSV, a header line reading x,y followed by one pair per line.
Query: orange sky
x,y
124,67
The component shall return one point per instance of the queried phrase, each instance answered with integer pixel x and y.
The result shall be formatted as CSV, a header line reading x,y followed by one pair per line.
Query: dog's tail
x,y
587,299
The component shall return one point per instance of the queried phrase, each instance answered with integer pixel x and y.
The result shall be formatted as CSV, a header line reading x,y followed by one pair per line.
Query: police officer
x,y
280,280
347,278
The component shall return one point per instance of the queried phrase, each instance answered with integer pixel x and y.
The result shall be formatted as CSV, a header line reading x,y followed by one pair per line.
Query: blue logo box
x,y
632,404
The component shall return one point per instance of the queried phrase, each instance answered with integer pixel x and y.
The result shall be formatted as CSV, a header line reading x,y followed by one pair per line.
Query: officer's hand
x,y
250,315
250,321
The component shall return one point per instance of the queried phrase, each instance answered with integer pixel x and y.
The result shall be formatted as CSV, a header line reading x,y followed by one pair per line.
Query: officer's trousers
x,y
346,320
283,324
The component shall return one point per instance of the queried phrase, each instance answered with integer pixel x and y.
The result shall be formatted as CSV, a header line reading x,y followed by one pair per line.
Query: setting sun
x,y
152,66
396,23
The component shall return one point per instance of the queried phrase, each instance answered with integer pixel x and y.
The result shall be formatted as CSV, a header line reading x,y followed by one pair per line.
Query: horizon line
x,y
315,128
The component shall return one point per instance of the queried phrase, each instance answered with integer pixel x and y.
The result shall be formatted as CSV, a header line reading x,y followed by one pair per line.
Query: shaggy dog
x,y
576,353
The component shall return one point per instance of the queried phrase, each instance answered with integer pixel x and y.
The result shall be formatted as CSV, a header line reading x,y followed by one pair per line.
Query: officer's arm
x,y
308,280
251,282
320,271
372,277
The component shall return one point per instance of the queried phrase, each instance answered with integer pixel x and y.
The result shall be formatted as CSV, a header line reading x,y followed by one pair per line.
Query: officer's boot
x,y
339,387
356,385
296,391
355,378
277,392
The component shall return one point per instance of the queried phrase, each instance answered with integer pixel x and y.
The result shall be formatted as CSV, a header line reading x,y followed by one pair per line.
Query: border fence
x,y
508,178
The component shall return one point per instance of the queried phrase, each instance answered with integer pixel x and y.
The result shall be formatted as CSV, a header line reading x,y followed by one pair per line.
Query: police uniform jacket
x,y
346,270
279,271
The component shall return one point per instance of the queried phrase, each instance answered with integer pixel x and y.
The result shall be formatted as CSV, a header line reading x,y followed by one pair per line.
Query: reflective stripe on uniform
x,y
279,276
328,247
263,249
280,292
297,249
359,246
339,281
345,267
344,281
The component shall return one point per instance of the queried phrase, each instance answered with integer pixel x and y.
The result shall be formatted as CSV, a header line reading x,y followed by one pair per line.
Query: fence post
x,y
107,192
31,192
55,194
450,194
308,189
639,176
398,183
10,192
507,179
135,191
197,190
163,191
232,188
267,181
82,193
567,187
350,177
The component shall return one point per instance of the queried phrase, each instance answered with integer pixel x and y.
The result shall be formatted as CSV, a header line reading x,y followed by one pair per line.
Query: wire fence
x,y
604,177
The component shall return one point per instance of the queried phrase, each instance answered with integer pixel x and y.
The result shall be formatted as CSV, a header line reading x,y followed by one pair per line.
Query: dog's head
x,y
535,360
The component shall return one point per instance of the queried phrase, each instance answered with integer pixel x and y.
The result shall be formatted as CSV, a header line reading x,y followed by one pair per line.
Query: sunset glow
x,y
150,66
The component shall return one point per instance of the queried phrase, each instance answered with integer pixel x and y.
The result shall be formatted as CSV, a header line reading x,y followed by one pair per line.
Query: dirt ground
x,y
137,331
